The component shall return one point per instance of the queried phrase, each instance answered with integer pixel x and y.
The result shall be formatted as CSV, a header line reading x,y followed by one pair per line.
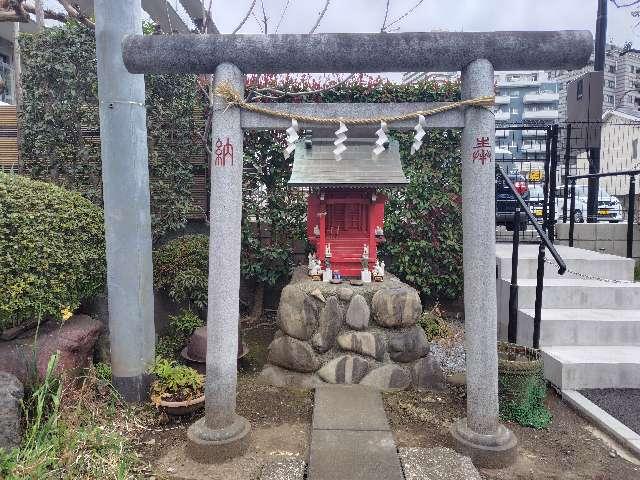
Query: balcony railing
x,y
503,116
544,97
534,133
540,115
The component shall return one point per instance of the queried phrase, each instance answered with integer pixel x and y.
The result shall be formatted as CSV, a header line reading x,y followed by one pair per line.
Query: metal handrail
x,y
513,291
543,236
605,174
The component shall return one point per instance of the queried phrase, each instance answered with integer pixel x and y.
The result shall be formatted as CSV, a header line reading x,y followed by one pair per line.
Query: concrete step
x,y
579,326
570,293
579,260
580,367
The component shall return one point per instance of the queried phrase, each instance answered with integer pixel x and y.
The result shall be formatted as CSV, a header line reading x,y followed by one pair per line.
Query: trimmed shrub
x,y
52,250
181,269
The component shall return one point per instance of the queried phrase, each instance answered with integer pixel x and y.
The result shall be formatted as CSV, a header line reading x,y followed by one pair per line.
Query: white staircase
x,y
590,328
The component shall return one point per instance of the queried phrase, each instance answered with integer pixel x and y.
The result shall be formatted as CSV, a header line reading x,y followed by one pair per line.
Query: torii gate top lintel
x,y
358,52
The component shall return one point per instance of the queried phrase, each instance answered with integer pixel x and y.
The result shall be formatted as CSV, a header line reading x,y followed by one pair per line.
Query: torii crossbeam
x,y
222,433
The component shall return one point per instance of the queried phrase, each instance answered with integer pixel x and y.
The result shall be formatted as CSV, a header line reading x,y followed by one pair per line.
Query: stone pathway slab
x,y
349,407
353,455
436,464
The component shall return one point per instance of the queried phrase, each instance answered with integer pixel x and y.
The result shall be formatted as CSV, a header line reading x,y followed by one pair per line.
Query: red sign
x,y
482,150
224,153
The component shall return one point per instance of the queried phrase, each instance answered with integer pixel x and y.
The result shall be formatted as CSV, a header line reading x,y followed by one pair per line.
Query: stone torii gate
x,y
222,433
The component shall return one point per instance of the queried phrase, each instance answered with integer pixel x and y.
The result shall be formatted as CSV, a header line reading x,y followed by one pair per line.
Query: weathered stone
x,y
11,393
396,307
293,354
387,377
280,377
297,313
436,464
345,294
73,341
329,326
318,294
358,313
345,369
409,346
364,343
427,374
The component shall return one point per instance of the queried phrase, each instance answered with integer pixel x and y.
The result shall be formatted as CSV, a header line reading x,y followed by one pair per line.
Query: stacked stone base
x,y
344,334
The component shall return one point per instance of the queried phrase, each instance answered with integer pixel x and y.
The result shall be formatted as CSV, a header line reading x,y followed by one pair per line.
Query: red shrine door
x,y
347,230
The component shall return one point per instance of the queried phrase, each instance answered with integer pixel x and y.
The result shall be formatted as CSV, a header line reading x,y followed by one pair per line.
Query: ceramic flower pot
x,y
179,408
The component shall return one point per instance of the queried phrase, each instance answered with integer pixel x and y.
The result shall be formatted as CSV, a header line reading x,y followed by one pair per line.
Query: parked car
x,y
536,202
506,200
609,207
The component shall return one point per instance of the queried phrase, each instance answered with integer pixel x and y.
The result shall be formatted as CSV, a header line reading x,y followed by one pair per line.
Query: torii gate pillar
x,y
480,435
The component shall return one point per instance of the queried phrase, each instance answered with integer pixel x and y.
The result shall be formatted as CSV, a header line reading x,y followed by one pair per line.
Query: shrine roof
x,y
316,166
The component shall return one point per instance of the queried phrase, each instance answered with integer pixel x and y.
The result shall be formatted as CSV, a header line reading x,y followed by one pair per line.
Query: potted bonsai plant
x,y
177,389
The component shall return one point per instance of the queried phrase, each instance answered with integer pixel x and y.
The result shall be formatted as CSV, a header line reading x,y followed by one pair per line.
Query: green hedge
x,y
52,250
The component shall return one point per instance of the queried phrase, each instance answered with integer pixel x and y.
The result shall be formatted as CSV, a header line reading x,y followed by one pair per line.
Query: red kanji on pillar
x,y
482,150
224,153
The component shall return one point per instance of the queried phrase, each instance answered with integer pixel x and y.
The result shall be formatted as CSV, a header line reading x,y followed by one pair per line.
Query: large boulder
x,y
280,377
428,375
11,393
364,343
328,326
74,341
409,345
293,354
387,377
345,369
396,307
358,313
297,313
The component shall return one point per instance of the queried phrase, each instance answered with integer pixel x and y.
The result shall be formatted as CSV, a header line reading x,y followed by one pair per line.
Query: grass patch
x,y
433,323
79,431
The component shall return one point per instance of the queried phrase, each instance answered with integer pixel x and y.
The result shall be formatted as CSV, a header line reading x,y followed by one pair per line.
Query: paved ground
x,y
621,403
351,438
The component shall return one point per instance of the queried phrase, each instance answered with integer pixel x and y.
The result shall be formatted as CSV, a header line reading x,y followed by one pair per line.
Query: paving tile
x,y
353,455
349,407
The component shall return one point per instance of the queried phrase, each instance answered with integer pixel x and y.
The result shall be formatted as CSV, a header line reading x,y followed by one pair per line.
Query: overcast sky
x,y
468,15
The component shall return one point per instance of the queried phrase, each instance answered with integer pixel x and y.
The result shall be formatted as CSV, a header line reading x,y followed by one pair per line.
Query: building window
x,y
636,101
514,111
579,89
514,93
634,148
608,98
611,84
632,69
612,68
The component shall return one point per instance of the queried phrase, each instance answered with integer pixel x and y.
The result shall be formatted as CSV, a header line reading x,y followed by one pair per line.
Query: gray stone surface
x,y
357,52
11,393
398,307
345,294
364,343
387,377
408,346
297,313
427,374
436,464
353,455
224,258
358,313
478,189
281,377
284,469
329,324
293,354
346,369
349,407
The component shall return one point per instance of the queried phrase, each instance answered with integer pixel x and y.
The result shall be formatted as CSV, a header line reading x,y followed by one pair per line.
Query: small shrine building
x,y
345,210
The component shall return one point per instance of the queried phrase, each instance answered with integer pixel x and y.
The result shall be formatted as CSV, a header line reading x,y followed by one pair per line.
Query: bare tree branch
x,y
320,17
265,19
623,5
280,94
71,10
386,15
407,13
246,17
284,10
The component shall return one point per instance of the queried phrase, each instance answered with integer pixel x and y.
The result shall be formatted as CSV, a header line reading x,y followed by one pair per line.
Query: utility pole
x,y
594,153
125,178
